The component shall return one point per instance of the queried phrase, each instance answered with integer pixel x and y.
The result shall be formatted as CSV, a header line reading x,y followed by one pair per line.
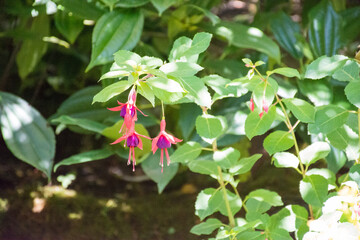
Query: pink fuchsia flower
x,y
128,110
163,141
133,140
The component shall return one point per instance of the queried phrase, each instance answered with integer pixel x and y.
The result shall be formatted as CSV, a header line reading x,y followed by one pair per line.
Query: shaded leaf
x,y
278,141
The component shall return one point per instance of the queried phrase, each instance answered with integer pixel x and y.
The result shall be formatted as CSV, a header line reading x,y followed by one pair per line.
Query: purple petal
x,y
132,141
163,142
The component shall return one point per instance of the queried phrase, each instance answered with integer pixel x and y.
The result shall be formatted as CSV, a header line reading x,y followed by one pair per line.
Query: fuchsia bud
x,y
261,114
252,106
265,106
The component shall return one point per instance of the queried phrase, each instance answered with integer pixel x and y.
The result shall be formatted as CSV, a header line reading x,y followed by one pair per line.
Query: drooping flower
x,y
128,110
163,141
133,140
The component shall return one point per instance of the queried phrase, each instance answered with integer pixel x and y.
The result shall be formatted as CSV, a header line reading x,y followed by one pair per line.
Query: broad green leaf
x,y
289,218
287,89
264,93
278,141
144,90
187,118
131,3
210,127
351,26
162,5
285,160
85,157
314,189
111,91
68,25
186,152
354,173
153,170
84,123
325,29
227,157
324,66
352,91
185,49
314,152
286,71
286,32
206,227
81,8
212,17
165,89
206,204
78,105
26,133
151,62
329,118
280,234
245,164
204,167
348,73
254,205
124,57
301,109
326,173
254,125
218,84
319,92
336,159
119,29
33,48
251,235
180,69
267,196
197,91
242,36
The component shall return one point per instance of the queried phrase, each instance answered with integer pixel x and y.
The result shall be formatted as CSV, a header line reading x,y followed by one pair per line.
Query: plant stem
x,y
227,204
163,111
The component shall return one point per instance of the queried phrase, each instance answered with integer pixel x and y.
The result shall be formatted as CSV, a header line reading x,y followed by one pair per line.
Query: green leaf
x,y
33,48
314,189
186,49
286,71
111,91
340,138
144,90
78,105
187,118
68,25
206,227
251,235
85,157
329,118
244,165
280,234
314,152
131,3
206,204
264,93
278,141
267,196
286,32
352,93
186,152
81,122
254,125
227,157
124,57
210,127
324,66
197,91
119,29
301,109
319,92
351,26
212,17
335,160
81,8
153,170
180,69
285,160
325,30
354,173
219,85
204,167
242,36
26,133
349,72
166,90
257,206
162,5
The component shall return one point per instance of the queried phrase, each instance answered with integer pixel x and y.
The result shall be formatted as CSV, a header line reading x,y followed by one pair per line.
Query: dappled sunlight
x,y
255,32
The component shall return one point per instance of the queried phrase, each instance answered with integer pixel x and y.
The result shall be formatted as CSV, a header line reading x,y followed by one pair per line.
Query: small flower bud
x,y
265,106
252,106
